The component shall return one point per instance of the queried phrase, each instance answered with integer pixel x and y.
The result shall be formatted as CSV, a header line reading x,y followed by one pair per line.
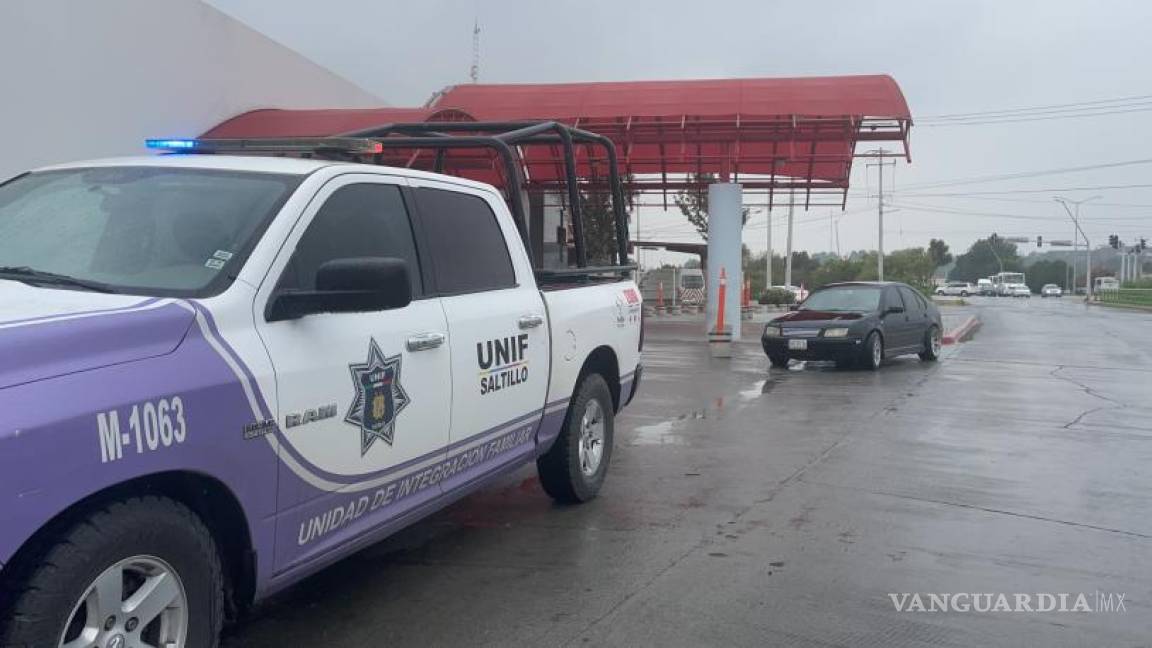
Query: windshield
x,y
139,230
848,299
692,281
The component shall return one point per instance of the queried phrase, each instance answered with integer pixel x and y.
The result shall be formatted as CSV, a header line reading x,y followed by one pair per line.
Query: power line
x,y
984,122
1027,174
1047,190
1061,106
1015,216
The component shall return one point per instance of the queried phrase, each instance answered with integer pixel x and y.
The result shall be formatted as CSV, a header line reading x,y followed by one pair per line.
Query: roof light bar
x,y
171,144
348,145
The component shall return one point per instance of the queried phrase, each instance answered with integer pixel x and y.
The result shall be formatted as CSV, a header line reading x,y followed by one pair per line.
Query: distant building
x,y
94,79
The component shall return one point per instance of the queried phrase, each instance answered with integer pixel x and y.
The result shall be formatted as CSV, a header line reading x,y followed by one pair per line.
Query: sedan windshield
x,y
140,230
848,299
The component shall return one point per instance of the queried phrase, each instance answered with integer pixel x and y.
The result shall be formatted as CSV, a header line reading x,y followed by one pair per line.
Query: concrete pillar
x,y
725,227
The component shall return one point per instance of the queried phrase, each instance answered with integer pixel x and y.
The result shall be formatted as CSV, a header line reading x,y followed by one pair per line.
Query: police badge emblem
x,y
379,397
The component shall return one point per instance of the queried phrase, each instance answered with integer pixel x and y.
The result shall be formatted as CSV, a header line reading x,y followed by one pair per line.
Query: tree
x,y
913,266
693,203
599,221
938,250
1046,271
984,259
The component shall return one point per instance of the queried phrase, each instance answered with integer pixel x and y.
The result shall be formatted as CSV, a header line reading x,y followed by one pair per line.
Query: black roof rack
x,y
504,138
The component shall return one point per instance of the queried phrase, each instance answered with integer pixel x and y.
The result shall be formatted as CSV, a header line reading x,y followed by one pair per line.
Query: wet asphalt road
x,y
749,507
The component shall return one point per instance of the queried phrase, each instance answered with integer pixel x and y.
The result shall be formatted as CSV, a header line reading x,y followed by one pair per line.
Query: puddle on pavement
x,y
657,434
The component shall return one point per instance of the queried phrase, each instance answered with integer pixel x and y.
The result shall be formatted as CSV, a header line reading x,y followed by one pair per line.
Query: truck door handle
x,y
531,321
425,341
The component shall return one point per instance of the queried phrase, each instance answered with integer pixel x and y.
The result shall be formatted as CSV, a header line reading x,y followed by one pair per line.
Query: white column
x,y
725,227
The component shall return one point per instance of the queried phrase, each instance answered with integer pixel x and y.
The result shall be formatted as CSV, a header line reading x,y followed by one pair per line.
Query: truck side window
x,y
467,246
359,220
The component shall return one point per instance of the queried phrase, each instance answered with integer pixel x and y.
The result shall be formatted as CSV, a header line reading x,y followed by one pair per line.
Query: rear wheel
x,y
778,360
138,572
573,470
932,345
873,352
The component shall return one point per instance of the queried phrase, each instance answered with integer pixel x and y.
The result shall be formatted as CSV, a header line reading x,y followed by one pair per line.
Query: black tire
x,y
778,360
963,293
142,526
868,356
931,352
561,473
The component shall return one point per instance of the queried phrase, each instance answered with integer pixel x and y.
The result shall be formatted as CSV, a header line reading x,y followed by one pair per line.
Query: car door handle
x,y
425,341
531,321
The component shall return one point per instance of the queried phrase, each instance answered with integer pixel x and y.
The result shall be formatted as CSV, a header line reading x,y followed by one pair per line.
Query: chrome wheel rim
x,y
591,438
139,602
935,342
877,352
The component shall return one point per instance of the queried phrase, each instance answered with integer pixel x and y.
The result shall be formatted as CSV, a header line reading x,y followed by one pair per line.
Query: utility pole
x,y
788,250
1087,244
475,72
768,261
880,153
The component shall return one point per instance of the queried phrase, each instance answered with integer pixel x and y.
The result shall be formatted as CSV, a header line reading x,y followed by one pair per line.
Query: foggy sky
x,y
948,57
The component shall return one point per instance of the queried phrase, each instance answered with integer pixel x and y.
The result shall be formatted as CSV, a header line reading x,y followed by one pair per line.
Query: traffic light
x,y
1039,241
1143,244
1114,241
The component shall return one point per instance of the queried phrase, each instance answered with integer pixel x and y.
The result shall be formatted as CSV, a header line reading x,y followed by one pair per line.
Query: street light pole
x,y
1087,244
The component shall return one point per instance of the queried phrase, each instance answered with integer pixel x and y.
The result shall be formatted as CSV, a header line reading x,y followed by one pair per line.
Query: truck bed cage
x,y
505,139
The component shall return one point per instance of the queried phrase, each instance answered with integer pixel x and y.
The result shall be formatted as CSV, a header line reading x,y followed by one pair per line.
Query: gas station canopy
x,y
796,136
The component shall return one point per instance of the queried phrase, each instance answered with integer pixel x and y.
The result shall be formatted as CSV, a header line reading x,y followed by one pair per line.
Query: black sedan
x,y
856,323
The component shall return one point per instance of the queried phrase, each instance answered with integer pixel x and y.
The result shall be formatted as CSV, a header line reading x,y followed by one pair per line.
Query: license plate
x,y
798,345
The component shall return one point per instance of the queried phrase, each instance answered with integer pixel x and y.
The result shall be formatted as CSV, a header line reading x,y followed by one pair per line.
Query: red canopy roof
x,y
792,135
271,122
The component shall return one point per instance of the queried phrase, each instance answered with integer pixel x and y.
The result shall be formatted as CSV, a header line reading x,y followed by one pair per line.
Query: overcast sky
x,y
948,57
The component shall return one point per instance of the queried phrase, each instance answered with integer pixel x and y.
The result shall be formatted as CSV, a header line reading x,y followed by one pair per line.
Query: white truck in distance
x,y
240,369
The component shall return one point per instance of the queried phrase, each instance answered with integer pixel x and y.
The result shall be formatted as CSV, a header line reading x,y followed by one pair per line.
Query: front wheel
x,y
873,352
778,360
573,470
138,572
932,345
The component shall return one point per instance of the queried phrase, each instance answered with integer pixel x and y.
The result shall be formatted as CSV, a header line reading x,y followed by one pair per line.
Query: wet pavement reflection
x,y
752,506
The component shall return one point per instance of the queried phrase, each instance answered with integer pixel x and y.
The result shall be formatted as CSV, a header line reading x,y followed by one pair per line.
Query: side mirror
x,y
356,285
893,309
793,306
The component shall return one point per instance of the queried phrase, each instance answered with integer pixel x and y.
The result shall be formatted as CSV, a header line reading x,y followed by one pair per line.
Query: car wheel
x,y
573,470
932,345
963,293
778,360
873,352
141,571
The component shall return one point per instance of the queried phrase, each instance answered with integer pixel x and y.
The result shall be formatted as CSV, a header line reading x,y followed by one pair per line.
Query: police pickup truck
x,y
220,373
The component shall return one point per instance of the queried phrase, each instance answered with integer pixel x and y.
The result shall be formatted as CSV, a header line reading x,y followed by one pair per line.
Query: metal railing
x,y
1126,296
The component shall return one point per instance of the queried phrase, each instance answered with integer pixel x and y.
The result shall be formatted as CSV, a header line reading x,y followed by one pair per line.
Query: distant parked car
x,y
985,287
857,322
799,291
1051,290
956,288
1020,290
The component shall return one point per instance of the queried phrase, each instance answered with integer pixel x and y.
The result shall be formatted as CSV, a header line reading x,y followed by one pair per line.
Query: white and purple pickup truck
x,y
220,373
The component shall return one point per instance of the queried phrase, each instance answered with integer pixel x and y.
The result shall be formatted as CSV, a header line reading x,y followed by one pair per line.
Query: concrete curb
x,y
962,332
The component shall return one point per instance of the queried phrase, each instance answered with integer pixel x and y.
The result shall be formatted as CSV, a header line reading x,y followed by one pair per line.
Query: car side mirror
x,y
354,285
893,309
793,306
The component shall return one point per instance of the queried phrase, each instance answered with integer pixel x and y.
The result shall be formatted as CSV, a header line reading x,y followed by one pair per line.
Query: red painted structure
x,y
798,135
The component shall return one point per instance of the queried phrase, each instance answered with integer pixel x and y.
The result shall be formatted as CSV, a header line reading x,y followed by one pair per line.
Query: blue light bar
x,y
171,144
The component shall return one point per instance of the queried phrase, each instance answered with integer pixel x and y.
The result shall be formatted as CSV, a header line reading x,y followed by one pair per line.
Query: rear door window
x,y
467,246
913,304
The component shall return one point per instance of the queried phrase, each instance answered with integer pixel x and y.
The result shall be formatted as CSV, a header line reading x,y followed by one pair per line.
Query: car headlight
x,y
772,331
836,332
